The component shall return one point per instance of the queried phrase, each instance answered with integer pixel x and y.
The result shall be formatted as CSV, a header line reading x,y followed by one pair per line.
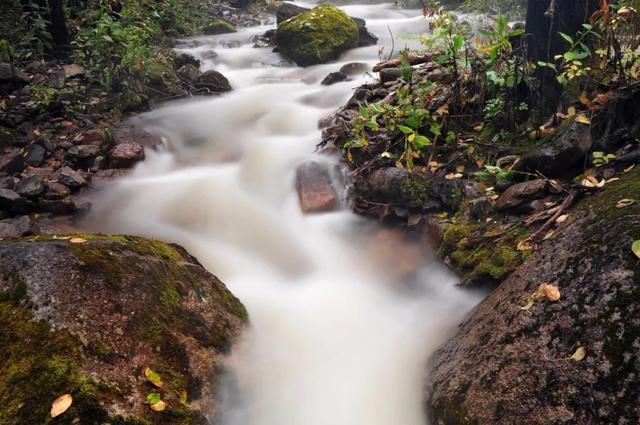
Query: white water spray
x,y
336,337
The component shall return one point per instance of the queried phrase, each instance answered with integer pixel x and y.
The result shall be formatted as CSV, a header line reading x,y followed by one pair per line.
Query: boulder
x,y
35,155
267,39
213,81
189,73
19,226
561,152
31,186
334,77
124,155
354,68
315,192
518,194
365,38
74,71
316,36
289,10
88,316
219,26
574,361
183,59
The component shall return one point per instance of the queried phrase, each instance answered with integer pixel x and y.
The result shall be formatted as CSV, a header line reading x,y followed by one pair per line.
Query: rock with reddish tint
x,y
126,133
83,151
73,71
90,317
520,193
31,186
12,162
71,178
126,154
17,227
56,191
315,192
509,365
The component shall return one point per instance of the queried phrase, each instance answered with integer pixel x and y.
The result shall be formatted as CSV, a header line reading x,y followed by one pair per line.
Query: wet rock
x,y
365,38
35,67
17,227
398,187
447,192
64,206
56,191
35,155
183,59
559,154
126,133
389,74
354,68
126,154
618,121
316,36
31,186
288,10
91,317
12,163
315,192
334,77
8,198
520,193
56,78
360,97
83,151
506,364
189,73
268,39
71,178
213,81
219,26
74,71
6,182
9,74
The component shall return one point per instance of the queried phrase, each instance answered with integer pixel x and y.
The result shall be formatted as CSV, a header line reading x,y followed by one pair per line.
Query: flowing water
x,y
337,335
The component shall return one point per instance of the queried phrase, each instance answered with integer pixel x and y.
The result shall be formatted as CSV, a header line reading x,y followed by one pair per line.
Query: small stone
x,y
8,197
190,73
183,59
57,78
34,67
519,193
56,191
31,186
74,70
36,154
213,81
126,154
389,74
12,162
83,151
70,177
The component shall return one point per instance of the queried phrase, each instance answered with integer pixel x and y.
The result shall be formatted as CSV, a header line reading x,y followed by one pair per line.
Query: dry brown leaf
x,y
460,168
61,405
549,235
562,218
525,245
622,203
528,303
571,111
549,291
579,354
584,99
77,240
453,176
159,406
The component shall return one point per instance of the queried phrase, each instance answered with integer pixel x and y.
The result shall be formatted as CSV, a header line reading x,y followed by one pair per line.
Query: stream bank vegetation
x,y
486,141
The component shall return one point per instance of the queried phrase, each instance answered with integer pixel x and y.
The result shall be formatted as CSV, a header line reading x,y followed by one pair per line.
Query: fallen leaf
x,y
61,405
635,247
584,99
478,128
528,303
549,291
579,354
159,406
385,155
153,398
183,397
77,240
562,218
153,377
452,176
582,119
622,203
460,168
549,235
524,245
629,168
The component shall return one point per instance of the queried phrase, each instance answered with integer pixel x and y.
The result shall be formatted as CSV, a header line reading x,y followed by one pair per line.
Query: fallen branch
x,y
568,201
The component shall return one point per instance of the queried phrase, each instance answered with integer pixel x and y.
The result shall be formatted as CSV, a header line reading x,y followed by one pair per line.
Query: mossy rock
x,y
317,36
219,26
88,318
507,363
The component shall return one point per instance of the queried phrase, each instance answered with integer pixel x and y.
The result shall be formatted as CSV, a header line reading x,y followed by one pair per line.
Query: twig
x,y
393,43
560,209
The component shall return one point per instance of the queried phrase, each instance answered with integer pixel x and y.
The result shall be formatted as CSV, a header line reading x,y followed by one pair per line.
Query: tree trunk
x,y
58,24
547,18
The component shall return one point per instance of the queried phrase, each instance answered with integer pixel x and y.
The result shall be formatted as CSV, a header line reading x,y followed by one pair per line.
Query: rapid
x,y
335,336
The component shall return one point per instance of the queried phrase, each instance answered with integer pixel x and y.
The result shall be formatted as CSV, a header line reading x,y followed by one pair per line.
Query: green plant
x,y
600,158
36,38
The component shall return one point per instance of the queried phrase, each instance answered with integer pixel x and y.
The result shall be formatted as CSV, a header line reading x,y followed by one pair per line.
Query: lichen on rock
x,y
316,36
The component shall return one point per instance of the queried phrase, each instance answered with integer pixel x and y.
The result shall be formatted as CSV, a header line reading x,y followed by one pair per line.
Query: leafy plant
x,y
600,158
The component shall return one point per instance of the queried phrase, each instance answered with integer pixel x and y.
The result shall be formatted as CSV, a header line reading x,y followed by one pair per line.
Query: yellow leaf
x,y
61,405
635,247
622,203
183,397
525,245
549,235
159,406
582,119
77,240
153,377
579,354
562,218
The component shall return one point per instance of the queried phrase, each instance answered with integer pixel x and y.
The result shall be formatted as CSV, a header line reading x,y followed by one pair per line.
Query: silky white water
x,y
336,336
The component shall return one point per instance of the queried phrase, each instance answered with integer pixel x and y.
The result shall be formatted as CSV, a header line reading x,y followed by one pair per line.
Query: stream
x,y
336,336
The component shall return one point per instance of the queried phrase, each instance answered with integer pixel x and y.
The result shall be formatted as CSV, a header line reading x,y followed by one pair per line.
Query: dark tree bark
x,y
546,18
58,24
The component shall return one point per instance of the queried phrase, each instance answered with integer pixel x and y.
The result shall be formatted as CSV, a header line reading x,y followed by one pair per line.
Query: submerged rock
x,y
213,81
219,26
315,191
87,318
506,364
334,77
316,36
126,154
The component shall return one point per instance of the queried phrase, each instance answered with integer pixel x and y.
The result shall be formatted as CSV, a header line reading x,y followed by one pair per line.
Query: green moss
x,y
414,191
219,26
482,255
317,36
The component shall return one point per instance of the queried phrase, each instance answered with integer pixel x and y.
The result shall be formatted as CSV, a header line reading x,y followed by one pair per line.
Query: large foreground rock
x,y
88,318
316,36
511,366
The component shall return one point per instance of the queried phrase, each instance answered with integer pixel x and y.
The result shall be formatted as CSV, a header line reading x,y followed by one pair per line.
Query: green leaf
x,y
635,247
405,129
153,377
568,38
458,41
421,141
153,398
107,38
